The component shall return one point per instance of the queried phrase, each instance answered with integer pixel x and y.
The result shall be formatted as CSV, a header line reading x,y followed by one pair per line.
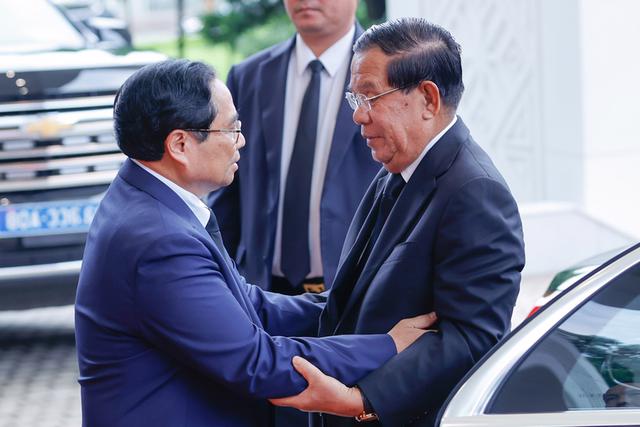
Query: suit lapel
x,y
405,213
355,241
357,235
146,182
409,207
272,77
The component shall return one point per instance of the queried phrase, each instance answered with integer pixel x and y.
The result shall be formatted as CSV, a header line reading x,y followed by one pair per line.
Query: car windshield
x,y
35,26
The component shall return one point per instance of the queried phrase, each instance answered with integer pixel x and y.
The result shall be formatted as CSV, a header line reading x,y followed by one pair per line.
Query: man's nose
x,y
361,116
241,141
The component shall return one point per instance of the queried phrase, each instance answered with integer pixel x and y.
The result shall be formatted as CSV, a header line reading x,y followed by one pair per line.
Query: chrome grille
x,y
61,148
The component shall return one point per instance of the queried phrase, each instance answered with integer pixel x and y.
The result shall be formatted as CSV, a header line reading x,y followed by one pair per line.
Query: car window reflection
x,y
590,361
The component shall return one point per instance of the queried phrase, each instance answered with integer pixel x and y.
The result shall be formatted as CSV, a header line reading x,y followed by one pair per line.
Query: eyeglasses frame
x,y
353,97
237,131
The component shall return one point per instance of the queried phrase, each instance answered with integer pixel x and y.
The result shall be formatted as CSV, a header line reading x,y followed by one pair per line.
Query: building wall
x,y
508,63
610,38
153,21
551,95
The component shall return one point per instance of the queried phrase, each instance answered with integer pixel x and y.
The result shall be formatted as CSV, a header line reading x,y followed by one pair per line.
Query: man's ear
x,y
433,102
175,145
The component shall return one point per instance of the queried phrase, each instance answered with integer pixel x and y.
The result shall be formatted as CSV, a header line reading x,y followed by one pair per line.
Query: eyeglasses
x,y
237,131
358,100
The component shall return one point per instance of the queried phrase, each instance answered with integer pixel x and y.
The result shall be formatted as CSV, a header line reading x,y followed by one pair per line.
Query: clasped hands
x,y
328,395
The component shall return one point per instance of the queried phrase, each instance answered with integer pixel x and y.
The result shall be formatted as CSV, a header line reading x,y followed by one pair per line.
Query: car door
x,y
577,363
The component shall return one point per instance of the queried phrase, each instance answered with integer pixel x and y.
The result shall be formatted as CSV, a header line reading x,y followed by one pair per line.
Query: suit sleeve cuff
x,y
368,408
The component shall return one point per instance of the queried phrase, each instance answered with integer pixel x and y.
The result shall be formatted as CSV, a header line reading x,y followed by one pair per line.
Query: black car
x,y
57,149
92,16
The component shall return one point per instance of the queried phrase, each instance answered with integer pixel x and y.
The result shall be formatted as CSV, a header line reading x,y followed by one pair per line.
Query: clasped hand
x,y
328,395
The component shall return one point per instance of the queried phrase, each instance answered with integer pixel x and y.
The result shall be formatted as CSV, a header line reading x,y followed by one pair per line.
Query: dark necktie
x,y
214,231
383,206
294,260
390,194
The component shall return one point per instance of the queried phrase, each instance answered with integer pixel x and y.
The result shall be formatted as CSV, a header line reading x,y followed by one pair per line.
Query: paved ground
x,y
38,368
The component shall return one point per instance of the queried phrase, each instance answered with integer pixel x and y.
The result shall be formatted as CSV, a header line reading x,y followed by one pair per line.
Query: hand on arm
x,y
406,331
324,394
328,395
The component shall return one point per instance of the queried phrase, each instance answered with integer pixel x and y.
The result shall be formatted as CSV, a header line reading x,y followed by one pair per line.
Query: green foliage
x,y
249,26
196,48
238,30
364,17
238,17
274,30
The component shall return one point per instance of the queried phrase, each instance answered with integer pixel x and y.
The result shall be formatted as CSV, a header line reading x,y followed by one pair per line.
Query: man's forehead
x,y
365,79
220,91
361,85
226,116
223,102
369,69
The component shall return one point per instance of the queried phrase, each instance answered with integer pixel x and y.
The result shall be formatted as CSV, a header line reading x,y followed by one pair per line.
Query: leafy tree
x,y
239,16
251,25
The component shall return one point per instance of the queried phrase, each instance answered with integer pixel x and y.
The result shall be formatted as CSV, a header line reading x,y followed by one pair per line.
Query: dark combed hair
x,y
159,98
420,51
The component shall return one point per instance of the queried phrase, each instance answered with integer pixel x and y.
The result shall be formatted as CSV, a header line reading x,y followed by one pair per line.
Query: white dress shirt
x,y
197,206
409,170
336,64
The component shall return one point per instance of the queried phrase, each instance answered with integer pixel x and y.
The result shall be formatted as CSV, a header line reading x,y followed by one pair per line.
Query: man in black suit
x,y
438,230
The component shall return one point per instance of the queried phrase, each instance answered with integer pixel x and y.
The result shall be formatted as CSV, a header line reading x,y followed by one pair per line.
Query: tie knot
x,y
394,186
315,66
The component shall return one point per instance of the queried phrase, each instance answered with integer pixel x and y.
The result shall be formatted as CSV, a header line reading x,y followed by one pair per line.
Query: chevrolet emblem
x,y
48,127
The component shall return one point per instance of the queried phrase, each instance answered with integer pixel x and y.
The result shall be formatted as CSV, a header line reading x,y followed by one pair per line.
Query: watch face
x,y
364,417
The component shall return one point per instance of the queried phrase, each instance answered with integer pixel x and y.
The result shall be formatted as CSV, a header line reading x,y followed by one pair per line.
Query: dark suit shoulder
x,y
245,80
471,163
251,63
146,219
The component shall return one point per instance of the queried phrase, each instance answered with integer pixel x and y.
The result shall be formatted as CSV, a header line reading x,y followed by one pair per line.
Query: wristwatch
x,y
366,417
368,413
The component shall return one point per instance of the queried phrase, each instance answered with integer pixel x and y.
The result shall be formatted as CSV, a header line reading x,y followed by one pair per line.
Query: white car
x,y
575,363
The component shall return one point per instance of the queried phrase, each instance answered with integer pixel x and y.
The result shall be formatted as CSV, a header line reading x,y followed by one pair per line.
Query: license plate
x,y
46,218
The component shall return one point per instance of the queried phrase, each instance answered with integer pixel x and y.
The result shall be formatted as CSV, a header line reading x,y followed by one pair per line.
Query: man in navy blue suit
x,y
305,167
437,230
168,332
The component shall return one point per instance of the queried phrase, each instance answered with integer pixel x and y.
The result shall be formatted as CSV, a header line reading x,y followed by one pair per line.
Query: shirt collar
x,y
197,206
406,174
331,58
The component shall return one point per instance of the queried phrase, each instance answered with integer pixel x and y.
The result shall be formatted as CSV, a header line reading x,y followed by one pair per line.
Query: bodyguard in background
x,y
305,166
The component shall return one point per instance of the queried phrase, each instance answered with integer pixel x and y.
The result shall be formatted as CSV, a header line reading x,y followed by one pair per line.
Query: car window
x,y
590,361
35,26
